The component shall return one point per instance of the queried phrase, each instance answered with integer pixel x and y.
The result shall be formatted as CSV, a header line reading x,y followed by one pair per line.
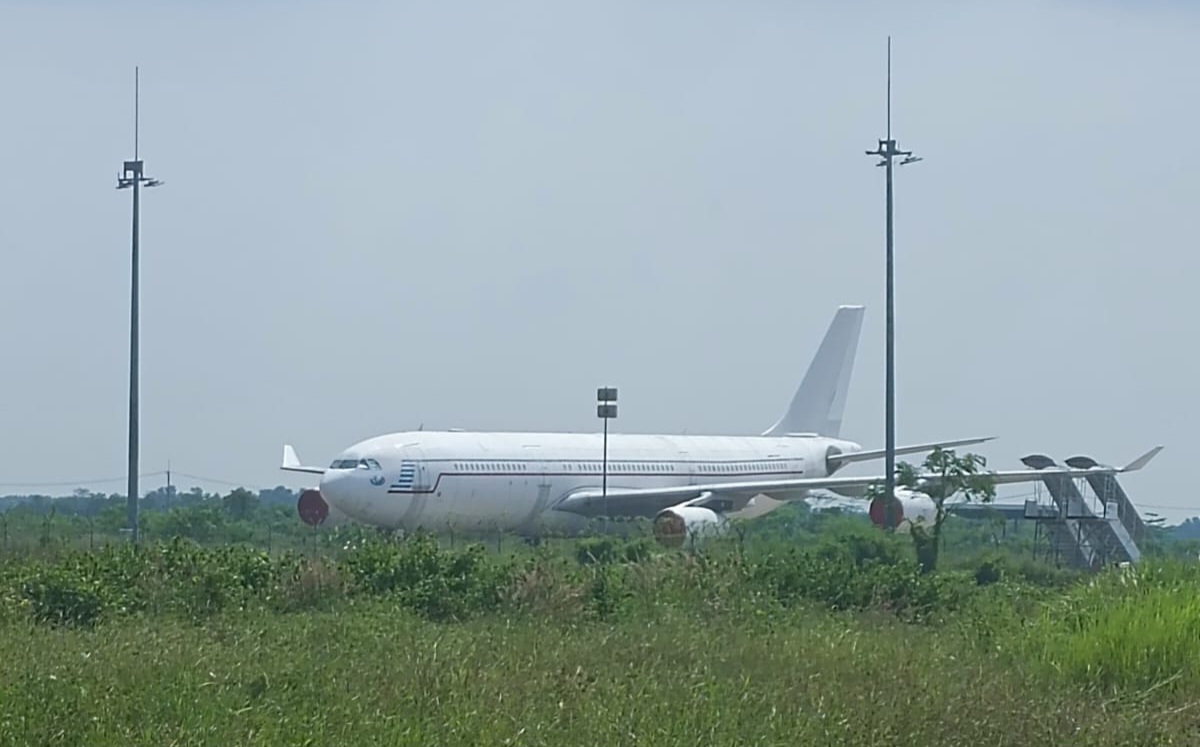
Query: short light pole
x,y
606,409
887,151
134,176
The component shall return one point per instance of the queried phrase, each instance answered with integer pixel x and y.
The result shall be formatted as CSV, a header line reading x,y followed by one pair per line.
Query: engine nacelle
x,y
912,508
692,524
312,507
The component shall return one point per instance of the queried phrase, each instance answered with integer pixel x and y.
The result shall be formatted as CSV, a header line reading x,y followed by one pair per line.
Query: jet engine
x,y
912,507
673,526
312,507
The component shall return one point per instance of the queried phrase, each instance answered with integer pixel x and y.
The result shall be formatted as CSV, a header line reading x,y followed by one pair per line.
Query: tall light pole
x,y
134,176
606,408
887,151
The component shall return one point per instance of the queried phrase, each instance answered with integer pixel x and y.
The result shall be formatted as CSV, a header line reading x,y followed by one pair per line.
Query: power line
x,y
70,483
122,478
216,481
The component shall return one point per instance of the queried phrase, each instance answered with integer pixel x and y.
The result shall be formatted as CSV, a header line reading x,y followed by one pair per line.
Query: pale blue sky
x,y
379,215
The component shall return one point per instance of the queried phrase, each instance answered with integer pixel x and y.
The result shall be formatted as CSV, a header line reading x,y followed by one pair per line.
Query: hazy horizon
x,y
378,216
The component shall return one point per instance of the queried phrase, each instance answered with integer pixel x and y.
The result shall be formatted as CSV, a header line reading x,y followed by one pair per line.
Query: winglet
x,y
1142,461
291,462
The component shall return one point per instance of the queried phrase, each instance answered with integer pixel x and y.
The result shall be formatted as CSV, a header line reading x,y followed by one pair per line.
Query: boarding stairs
x,y
1078,534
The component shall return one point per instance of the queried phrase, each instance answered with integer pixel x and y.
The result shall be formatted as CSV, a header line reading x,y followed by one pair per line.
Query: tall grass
x,y
1127,631
413,643
380,675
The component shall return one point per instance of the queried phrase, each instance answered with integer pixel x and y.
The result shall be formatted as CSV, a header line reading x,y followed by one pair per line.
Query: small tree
x,y
942,474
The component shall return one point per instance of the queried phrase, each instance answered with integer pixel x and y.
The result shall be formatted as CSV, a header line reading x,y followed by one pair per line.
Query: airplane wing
x,y
291,462
730,497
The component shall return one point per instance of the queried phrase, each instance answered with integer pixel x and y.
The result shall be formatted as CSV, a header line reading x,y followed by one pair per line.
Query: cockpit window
x,y
370,464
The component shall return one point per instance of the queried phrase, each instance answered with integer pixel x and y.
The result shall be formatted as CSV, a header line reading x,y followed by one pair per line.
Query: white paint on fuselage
x,y
469,481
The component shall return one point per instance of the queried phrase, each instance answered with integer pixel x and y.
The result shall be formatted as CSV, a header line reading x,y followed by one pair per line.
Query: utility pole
x,y
134,176
887,151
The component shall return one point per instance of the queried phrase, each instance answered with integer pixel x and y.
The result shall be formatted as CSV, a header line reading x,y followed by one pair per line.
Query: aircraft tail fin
x,y
820,400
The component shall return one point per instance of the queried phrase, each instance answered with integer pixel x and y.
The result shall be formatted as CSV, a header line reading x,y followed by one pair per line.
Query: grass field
x,y
411,643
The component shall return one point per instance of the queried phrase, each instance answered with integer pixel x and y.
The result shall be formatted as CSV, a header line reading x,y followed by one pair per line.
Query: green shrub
x,y
596,550
990,571
63,596
435,583
836,582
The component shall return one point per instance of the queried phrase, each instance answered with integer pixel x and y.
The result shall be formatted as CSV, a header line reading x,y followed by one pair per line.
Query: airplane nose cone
x,y
334,489
354,494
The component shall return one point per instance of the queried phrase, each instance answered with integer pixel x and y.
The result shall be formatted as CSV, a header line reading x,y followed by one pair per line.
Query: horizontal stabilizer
x,y
291,462
865,456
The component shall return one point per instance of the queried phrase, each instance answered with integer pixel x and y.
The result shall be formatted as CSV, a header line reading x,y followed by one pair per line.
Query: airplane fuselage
x,y
473,481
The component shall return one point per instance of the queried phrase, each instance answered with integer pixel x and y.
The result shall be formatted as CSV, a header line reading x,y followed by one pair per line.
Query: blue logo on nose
x,y
378,480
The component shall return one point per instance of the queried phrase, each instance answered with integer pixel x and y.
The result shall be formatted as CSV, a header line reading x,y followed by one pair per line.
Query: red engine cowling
x,y
312,507
911,508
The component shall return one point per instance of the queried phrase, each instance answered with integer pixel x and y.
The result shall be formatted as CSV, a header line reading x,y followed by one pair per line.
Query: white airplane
x,y
536,483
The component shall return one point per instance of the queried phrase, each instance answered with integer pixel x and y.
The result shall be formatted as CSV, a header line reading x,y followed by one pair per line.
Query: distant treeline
x,y
84,502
